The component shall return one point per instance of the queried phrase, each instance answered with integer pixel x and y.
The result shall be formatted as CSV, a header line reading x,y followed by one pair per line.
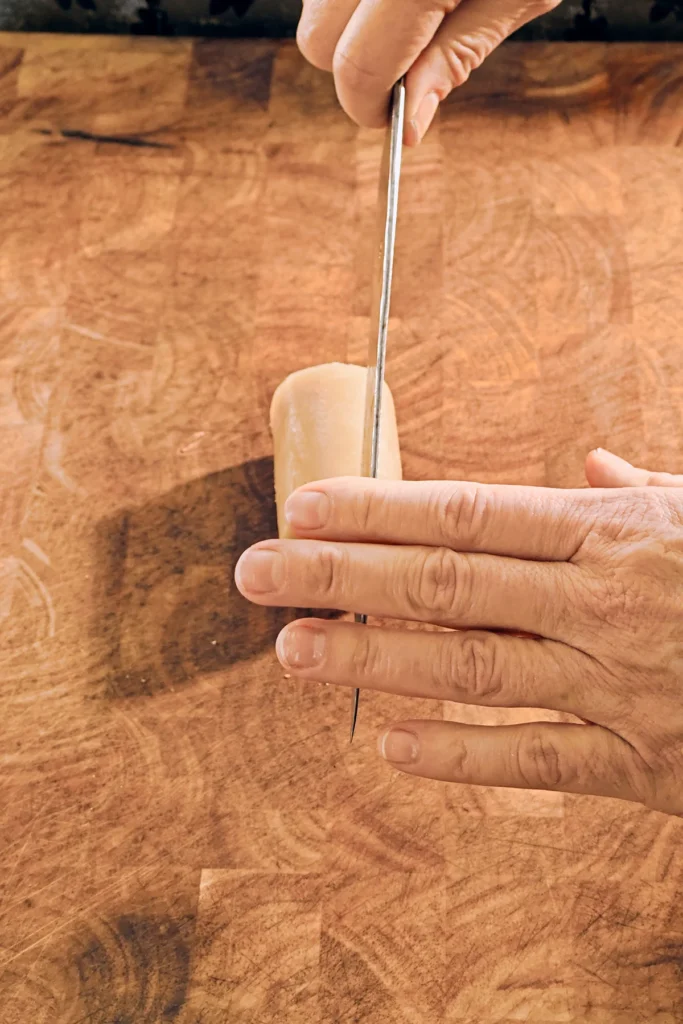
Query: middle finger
x,y
469,667
426,584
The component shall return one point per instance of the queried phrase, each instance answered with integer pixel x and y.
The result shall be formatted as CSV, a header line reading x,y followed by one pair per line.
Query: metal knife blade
x,y
383,266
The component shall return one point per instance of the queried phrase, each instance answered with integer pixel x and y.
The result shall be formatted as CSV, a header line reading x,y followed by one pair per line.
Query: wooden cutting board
x,y
184,834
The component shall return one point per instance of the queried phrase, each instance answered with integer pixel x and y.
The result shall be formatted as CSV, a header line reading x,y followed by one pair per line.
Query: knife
x,y
379,320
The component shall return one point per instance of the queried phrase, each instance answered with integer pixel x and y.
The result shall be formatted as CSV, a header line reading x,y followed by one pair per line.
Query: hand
x,y
369,44
596,575
603,469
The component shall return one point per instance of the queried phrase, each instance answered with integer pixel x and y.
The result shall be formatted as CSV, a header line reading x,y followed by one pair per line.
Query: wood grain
x,y
184,834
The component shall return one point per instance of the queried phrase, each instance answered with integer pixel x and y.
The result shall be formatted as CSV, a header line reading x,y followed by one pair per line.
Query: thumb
x,y
603,469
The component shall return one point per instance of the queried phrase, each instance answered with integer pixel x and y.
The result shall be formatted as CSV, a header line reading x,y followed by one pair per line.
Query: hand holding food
x,y
596,575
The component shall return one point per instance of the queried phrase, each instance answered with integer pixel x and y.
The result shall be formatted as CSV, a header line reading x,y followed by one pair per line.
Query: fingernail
x,y
399,746
260,571
300,646
307,510
424,115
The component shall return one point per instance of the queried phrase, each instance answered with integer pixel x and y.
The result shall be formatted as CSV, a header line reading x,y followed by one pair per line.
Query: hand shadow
x,y
166,608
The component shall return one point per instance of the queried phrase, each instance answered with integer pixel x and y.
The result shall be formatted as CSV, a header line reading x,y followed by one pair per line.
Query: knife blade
x,y
383,265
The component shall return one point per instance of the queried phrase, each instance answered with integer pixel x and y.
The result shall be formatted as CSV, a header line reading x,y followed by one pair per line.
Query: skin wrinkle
x,y
365,511
674,510
458,759
461,59
341,57
440,582
464,515
480,667
617,664
437,46
539,762
366,661
334,565
571,515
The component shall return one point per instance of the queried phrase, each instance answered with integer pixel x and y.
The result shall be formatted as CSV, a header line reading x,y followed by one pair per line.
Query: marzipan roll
x,y
317,417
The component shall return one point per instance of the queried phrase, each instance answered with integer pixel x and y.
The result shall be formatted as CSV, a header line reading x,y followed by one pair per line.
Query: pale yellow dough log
x,y
317,417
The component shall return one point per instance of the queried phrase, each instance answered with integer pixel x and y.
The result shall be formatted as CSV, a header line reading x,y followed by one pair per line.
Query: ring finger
x,y
468,667
437,585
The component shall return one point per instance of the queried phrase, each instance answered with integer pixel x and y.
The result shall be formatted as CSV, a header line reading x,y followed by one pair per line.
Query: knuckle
x,y
460,765
479,666
463,58
465,513
366,659
437,579
331,572
540,764
365,509
355,83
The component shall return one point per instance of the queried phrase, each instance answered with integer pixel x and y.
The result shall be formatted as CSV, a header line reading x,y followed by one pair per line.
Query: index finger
x,y
536,523
381,41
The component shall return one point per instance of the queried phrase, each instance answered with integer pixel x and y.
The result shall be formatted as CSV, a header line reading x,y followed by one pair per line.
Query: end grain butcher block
x,y
185,836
